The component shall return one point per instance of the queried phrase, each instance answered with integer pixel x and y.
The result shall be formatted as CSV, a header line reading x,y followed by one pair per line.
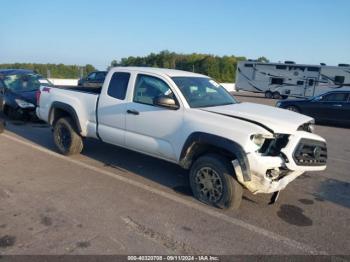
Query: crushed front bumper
x,y
269,174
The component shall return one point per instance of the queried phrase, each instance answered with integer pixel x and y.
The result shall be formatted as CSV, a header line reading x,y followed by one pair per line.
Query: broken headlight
x,y
273,146
259,139
308,127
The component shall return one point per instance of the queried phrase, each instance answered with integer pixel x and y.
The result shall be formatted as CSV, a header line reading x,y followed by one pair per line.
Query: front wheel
x,y
213,182
66,138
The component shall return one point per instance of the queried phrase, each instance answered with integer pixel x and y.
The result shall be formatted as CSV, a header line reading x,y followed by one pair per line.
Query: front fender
x,y
195,140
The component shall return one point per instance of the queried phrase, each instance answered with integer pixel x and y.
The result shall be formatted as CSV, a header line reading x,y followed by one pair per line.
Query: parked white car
x,y
192,121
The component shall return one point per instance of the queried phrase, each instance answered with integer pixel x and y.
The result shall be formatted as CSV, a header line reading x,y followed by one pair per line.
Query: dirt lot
x,y
112,201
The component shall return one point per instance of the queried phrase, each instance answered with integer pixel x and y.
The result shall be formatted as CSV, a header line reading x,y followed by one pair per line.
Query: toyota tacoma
x,y
190,120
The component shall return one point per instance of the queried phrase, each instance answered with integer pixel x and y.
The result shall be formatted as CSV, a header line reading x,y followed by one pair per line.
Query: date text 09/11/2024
x,y
173,258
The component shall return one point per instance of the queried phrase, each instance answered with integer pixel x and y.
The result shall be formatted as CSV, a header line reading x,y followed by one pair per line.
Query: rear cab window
x,y
118,85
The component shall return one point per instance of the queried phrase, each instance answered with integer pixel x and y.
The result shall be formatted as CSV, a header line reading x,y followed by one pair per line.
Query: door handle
x,y
338,105
133,112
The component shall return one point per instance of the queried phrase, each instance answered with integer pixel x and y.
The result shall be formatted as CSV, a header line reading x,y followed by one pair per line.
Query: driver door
x,y
152,129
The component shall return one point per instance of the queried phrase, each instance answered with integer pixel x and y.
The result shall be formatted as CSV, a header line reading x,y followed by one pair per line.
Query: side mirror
x,y
165,101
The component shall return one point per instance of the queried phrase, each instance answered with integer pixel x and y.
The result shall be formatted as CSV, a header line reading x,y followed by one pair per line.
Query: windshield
x,y
203,92
25,83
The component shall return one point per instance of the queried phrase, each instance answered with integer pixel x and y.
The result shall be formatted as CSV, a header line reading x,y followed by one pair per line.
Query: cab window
x,y
147,88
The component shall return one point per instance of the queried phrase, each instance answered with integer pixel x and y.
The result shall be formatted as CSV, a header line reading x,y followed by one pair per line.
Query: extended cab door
x,y
152,129
111,109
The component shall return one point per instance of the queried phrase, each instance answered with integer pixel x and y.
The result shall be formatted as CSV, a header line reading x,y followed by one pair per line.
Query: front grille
x,y
310,153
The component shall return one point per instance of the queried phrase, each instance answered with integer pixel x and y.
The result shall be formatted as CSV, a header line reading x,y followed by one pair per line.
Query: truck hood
x,y
271,118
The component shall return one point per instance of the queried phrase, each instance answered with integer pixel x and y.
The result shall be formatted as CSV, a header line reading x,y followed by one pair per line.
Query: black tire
x,y
268,94
293,108
229,191
66,138
276,95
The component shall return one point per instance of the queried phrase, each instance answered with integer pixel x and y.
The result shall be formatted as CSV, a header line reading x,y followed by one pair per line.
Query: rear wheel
x,y
212,181
293,108
276,95
268,94
66,138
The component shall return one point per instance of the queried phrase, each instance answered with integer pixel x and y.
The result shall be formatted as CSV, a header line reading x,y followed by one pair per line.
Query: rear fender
x,y
56,110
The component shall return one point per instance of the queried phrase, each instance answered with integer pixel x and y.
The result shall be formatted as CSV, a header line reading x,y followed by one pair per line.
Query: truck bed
x,y
81,100
83,89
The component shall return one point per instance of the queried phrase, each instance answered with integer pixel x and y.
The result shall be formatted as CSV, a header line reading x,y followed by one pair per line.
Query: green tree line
x,y
55,70
221,68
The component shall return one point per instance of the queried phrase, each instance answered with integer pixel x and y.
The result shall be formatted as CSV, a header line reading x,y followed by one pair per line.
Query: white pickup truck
x,y
192,121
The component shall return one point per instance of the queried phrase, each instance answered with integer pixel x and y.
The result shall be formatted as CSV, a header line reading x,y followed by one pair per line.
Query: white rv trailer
x,y
278,80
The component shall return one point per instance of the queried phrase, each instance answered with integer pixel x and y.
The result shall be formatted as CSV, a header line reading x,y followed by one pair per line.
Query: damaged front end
x,y
281,159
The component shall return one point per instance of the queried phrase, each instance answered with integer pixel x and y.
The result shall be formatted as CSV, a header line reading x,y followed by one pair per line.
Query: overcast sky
x,y
96,32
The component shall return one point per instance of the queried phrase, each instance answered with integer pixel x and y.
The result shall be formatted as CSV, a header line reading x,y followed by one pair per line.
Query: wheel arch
x,y
59,109
200,143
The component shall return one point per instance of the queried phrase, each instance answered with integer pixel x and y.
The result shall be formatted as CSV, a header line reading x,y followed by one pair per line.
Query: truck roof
x,y
162,71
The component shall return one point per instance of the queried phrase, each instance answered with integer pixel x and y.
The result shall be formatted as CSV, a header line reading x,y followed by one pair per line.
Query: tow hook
x,y
274,197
